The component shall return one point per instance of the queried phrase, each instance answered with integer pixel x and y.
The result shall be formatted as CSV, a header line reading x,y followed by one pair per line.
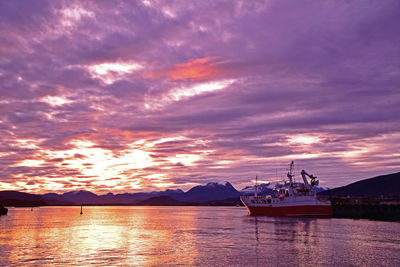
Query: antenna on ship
x,y
290,173
256,187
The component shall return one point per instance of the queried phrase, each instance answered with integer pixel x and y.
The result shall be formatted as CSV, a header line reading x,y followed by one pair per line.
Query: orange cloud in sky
x,y
128,134
195,69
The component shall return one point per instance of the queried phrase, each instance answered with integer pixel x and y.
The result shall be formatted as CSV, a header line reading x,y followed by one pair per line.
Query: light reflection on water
x,y
187,236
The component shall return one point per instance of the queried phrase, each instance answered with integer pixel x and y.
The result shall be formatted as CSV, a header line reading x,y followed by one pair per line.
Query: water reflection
x,y
292,236
102,235
189,236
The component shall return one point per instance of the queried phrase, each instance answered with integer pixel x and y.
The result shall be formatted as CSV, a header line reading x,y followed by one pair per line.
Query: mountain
x,y
384,185
198,194
89,198
75,197
20,199
262,189
235,201
163,201
209,192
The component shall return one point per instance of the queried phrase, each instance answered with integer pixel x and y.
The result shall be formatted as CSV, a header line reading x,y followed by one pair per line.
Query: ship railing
x,y
254,197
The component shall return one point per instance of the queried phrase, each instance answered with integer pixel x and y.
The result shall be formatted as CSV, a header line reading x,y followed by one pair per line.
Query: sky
x,y
131,96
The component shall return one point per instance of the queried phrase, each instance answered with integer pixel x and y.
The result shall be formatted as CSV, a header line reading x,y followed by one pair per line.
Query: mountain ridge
x,y
382,185
197,194
209,194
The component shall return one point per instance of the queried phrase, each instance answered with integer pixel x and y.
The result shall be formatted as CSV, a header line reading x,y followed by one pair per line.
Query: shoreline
x,y
380,212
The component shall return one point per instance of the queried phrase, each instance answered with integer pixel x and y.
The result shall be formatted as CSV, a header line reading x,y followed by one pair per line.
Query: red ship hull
x,y
312,210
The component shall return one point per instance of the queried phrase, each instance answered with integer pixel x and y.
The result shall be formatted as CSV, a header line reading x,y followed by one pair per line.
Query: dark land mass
x,y
262,189
3,210
235,201
20,199
212,194
164,201
89,198
380,186
169,201
376,198
199,195
366,208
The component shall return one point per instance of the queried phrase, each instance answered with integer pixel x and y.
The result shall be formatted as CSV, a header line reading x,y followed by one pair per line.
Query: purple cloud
x,y
143,95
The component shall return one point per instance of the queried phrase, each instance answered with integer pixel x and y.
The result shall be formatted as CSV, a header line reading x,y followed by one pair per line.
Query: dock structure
x,y
364,208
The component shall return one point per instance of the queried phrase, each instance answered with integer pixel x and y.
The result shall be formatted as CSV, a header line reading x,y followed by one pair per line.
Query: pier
x,y
364,208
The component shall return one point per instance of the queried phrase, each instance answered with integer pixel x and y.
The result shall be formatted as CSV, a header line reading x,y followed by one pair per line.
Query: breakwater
x,y
362,209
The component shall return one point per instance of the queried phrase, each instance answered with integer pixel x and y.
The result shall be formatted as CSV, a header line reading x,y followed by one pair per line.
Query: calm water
x,y
200,236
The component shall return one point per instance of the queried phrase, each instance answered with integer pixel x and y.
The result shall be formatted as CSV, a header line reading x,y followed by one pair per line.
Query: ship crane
x,y
289,199
313,178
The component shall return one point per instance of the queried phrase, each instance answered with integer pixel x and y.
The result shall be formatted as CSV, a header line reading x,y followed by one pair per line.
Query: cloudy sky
x,y
129,96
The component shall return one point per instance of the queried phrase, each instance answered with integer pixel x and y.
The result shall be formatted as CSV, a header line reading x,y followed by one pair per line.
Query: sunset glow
x,y
196,69
199,89
306,140
149,95
56,100
110,72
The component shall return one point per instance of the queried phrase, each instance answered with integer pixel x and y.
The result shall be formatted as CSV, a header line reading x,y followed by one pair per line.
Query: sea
x,y
190,236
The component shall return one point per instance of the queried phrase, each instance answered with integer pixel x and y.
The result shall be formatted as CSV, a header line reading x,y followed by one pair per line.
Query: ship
x,y
290,199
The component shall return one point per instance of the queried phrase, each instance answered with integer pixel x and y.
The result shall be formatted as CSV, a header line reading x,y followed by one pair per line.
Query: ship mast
x,y
256,187
290,173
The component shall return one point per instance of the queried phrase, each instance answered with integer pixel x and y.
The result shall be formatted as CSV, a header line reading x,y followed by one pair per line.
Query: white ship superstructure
x,y
289,199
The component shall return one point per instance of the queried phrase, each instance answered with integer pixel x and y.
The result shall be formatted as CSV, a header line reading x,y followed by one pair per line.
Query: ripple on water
x,y
199,236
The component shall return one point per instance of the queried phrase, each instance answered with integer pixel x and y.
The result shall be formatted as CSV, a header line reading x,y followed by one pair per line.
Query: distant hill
x,y
198,194
201,194
209,192
163,201
89,198
20,199
262,189
235,201
384,185
73,197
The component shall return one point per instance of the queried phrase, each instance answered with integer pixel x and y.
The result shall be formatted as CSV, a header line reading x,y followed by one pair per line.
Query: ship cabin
x,y
281,192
